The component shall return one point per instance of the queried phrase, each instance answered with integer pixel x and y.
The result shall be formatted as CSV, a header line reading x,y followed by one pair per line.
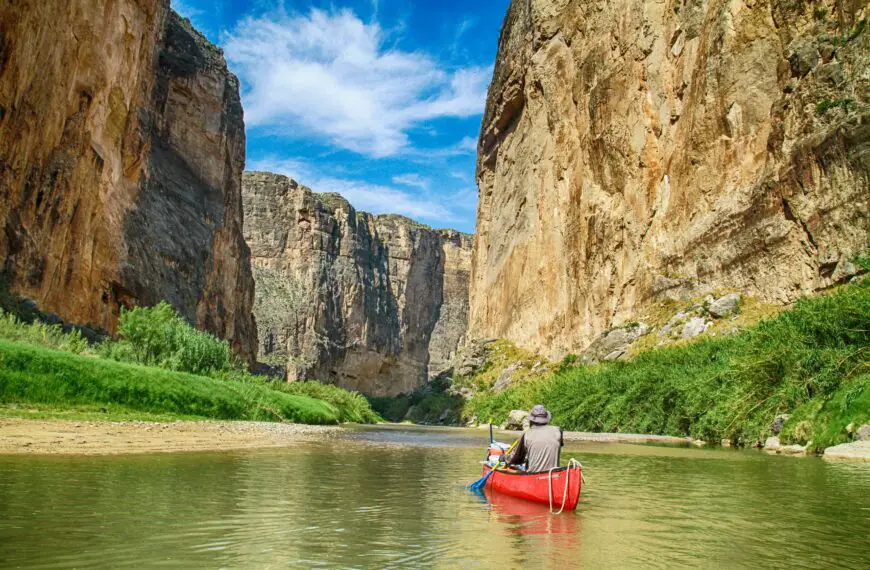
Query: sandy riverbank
x,y
63,437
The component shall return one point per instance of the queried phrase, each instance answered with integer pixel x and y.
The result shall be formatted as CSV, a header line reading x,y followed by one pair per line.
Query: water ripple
x,y
400,502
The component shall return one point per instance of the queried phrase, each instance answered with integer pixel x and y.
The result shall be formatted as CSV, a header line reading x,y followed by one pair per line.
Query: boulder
x,y
51,319
724,306
772,444
863,433
844,271
505,379
614,343
803,58
792,450
856,451
517,420
694,327
778,422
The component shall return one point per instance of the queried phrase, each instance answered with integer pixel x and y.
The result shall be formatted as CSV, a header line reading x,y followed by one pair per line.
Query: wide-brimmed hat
x,y
539,415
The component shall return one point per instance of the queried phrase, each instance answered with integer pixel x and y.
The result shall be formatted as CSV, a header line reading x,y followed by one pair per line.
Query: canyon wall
x,y
370,303
632,151
122,147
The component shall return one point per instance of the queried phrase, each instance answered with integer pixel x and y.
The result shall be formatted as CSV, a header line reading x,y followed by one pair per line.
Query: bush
x,y
393,409
158,336
351,406
40,334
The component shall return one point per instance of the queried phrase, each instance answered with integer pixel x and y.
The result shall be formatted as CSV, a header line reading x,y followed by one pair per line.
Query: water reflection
x,y
402,503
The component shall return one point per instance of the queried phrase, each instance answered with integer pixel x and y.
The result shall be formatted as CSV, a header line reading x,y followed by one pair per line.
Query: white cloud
x,y
330,75
364,196
413,181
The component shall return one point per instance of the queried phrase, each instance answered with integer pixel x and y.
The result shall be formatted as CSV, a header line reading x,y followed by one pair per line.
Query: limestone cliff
x,y
632,150
121,154
370,303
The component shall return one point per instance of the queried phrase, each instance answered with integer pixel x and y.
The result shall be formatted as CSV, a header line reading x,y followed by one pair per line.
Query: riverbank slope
x,y
802,375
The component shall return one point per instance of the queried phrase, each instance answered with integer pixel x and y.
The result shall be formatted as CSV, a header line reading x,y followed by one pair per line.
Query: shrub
x,y
40,334
351,406
158,336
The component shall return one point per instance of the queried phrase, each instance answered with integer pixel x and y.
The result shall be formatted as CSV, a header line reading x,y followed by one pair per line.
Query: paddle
x,y
478,485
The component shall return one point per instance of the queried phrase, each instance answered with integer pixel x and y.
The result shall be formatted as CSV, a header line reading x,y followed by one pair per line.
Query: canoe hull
x,y
536,487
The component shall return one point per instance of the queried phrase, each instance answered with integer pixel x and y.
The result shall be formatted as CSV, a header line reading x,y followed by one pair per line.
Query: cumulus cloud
x,y
365,196
332,76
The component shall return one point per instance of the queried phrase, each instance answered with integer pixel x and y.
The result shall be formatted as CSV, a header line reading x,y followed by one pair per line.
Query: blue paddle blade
x,y
480,483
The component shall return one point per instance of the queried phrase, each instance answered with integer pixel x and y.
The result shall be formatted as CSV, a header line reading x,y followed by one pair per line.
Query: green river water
x,y
395,498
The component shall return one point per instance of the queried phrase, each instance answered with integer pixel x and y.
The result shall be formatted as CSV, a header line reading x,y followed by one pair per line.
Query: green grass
x,y
103,413
60,380
351,406
182,373
812,361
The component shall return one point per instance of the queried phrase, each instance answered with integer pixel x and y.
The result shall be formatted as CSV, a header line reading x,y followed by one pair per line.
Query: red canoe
x,y
547,488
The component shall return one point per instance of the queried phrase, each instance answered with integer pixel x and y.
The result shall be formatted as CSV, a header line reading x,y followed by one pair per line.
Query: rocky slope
x,y
635,150
121,153
370,303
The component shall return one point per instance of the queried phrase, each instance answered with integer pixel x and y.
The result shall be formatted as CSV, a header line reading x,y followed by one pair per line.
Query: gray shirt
x,y
539,448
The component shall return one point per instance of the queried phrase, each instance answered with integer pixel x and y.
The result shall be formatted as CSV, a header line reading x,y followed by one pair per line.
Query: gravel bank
x,y
63,437
623,437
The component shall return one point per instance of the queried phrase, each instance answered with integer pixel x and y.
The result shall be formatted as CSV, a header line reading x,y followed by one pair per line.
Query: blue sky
x,y
379,100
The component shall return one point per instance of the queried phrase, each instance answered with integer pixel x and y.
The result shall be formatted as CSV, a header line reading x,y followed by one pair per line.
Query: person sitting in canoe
x,y
540,446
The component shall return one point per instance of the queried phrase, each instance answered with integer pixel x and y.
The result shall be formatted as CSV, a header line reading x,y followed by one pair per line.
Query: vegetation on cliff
x,y
160,365
812,362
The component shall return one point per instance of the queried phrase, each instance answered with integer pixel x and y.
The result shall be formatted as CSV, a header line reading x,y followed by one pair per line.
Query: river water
x,y
395,498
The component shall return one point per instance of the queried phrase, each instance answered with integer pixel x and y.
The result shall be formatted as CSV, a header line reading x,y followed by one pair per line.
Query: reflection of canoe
x,y
547,488
527,518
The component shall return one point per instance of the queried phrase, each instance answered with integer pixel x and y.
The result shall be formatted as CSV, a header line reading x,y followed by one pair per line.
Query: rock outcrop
x,y
634,151
122,147
370,303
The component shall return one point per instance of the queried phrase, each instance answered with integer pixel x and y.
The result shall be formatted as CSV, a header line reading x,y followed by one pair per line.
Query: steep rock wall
x,y
632,150
121,154
369,303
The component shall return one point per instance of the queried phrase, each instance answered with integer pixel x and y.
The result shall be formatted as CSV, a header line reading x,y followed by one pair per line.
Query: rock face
x,y
121,154
370,303
634,151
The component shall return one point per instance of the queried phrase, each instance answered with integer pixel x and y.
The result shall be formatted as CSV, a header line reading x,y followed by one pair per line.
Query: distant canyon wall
x,y
122,147
369,303
632,151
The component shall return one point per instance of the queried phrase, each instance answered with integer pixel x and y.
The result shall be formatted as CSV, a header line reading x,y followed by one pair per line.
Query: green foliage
x,y
825,105
814,358
857,30
40,334
820,13
350,406
39,376
158,336
390,408
438,407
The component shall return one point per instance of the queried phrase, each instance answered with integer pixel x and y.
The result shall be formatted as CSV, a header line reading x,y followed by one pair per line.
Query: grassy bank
x,y
812,362
55,379
161,368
